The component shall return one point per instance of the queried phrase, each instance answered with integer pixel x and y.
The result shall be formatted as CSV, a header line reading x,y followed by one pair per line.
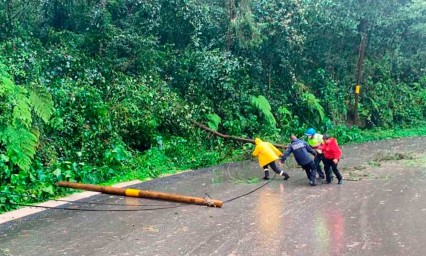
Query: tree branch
x,y
225,136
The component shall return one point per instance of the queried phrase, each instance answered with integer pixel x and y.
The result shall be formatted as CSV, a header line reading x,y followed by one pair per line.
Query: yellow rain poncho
x,y
265,152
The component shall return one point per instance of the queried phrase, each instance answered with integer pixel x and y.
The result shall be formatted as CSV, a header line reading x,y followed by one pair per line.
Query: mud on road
x,y
379,210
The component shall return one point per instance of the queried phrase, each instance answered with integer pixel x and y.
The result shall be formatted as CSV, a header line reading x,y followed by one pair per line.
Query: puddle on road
x,y
268,210
330,231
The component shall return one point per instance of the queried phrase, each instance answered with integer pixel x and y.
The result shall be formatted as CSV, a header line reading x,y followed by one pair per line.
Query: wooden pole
x,y
142,194
359,75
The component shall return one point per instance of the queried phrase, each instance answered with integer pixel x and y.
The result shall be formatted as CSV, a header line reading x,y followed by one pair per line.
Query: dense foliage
x,y
92,91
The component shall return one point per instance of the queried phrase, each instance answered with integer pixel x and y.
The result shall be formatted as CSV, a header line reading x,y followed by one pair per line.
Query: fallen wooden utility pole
x,y
142,194
225,136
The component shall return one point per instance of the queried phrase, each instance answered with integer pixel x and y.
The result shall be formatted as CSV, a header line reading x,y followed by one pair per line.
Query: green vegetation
x,y
106,91
375,134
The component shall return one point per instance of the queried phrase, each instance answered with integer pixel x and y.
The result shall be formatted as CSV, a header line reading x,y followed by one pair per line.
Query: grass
x,y
380,134
249,180
420,161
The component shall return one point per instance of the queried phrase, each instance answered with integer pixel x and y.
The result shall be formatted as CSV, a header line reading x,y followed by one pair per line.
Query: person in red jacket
x,y
332,154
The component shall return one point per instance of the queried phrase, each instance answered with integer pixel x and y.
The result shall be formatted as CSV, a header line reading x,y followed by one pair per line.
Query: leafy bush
x,y
19,134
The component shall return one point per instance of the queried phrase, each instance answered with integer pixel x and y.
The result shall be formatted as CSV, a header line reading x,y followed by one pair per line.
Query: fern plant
x,y
313,106
20,145
264,108
285,115
17,133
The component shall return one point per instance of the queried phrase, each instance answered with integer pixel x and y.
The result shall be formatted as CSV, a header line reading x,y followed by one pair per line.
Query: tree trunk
x,y
231,19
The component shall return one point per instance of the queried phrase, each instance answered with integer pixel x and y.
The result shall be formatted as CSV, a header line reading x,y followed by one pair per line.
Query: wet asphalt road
x,y
385,216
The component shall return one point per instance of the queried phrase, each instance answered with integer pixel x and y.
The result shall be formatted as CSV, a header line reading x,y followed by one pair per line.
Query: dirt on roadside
x,y
380,159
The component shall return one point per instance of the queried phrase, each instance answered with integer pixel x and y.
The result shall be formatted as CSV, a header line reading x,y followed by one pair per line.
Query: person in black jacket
x,y
300,150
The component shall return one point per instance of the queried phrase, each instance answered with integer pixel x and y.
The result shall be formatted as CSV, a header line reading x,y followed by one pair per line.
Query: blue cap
x,y
310,131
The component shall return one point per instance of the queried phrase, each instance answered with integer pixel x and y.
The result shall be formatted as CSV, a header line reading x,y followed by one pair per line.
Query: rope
x,y
208,200
92,210
77,202
85,209
250,192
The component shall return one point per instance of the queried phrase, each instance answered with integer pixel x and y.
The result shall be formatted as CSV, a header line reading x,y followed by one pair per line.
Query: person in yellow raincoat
x,y
267,154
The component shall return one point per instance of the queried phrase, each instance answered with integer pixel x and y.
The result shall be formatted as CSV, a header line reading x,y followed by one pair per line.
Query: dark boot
x,y
286,176
266,174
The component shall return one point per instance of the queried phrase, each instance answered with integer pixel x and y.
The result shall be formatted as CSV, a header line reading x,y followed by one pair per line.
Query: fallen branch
x,y
225,136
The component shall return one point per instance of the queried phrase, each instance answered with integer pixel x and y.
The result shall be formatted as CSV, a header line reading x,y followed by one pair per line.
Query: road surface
x,y
384,213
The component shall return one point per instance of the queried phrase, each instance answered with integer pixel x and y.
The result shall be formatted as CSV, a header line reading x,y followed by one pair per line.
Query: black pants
x,y
311,171
317,160
275,168
329,164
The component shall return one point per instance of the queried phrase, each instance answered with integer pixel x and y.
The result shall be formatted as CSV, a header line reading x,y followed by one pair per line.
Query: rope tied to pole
x,y
209,201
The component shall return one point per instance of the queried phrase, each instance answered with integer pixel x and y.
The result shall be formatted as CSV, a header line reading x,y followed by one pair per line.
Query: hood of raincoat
x,y
257,141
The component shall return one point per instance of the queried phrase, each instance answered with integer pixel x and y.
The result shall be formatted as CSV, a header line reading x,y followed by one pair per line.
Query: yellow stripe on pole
x,y
132,192
357,88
